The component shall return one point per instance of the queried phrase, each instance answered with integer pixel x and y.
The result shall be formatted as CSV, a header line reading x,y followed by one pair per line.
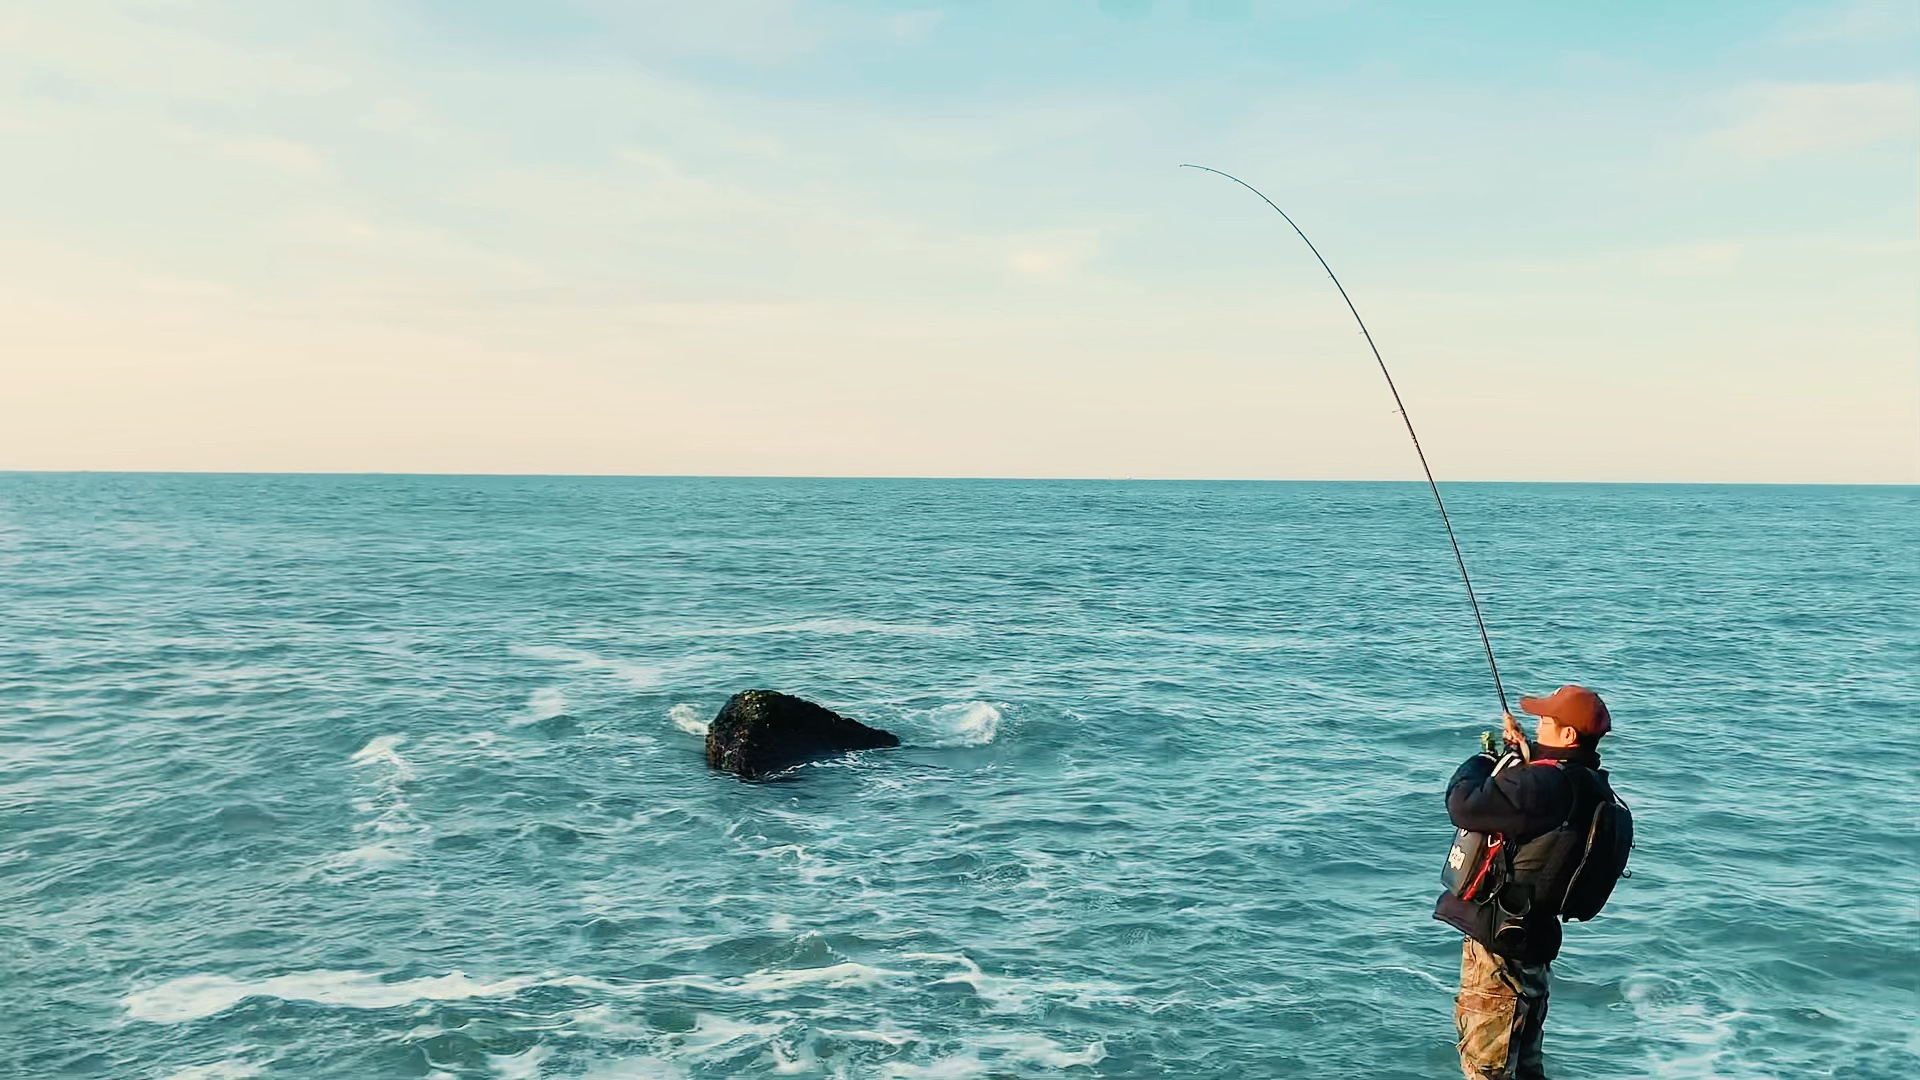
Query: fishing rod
x,y
1458,559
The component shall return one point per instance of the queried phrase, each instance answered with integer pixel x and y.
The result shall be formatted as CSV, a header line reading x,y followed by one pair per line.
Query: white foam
x,y
806,864
196,997
387,807
375,854
1014,994
887,1034
794,1061
957,1067
833,626
521,1066
544,703
835,976
637,675
711,1032
605,1022
1425,976
861,626
1015,1047
635,1068
972,723
1691,1038
762,982
383,750
1043,1051
959,959
219,1070
687,718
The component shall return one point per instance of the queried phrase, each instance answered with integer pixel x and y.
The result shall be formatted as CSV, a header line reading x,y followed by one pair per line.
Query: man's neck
x,y
1575,752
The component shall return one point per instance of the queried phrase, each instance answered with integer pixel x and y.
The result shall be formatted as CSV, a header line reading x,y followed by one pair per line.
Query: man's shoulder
x,y
1543,782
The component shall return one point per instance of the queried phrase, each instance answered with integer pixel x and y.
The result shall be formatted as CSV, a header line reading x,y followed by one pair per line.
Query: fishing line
x,y
1458,559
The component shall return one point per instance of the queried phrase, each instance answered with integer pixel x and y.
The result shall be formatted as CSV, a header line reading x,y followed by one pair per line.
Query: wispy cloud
x,y
1690,259
1054,256
1855,22
1786,119
284,155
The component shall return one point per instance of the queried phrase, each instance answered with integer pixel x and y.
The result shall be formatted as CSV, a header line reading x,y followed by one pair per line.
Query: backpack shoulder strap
x,y
1588,789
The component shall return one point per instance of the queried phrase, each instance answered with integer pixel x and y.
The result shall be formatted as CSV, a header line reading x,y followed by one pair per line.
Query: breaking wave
x,y
972,723
687,718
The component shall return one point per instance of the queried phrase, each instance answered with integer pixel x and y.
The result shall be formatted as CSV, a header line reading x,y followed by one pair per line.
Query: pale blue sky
x,y
1637,241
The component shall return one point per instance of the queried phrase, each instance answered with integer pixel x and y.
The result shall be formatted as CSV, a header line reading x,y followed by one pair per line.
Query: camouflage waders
x,y
1500,1013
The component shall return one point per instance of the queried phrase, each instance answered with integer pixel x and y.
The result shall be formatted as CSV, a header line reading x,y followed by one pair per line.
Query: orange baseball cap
x,y
1574,706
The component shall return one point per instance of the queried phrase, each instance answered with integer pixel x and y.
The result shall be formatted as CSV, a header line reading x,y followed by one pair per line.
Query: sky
x,y
1622,242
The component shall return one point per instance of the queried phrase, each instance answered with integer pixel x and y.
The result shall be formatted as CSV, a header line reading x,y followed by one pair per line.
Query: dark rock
x,y
759,732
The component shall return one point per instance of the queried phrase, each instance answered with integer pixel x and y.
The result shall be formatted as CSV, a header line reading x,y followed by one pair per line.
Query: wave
x,y
834,626
376,854
971,723
687,718
1014,1047
1019,994
544,703
219,1070
831,977
637,675
196,997
635,1068
388,811
383,749
521,1066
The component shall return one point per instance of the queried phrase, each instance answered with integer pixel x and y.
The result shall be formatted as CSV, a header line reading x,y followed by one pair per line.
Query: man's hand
x,y
1514,736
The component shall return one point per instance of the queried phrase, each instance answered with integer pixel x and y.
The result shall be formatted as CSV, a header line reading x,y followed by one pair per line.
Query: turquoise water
x,y
401,776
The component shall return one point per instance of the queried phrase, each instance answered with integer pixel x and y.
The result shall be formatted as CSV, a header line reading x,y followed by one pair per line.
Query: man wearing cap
x,y
1523,796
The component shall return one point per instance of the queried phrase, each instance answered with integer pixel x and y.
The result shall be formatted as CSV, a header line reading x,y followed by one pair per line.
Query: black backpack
x,y
1603,858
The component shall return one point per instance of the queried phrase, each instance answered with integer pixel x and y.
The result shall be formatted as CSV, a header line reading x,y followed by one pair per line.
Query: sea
x,y
401,776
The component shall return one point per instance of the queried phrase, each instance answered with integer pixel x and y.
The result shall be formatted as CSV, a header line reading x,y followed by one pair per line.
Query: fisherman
x,y
1512,934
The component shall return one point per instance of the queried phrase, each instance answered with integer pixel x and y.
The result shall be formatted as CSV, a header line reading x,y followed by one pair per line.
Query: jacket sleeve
x,y
1483,802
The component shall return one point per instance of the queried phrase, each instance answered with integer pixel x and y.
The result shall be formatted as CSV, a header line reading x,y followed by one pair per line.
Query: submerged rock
x,y
759,732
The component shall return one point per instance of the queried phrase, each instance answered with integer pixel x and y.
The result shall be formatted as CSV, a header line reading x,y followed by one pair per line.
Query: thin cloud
x,y
1054,257
1785,120
915,26
284,155
1860,22
1691,259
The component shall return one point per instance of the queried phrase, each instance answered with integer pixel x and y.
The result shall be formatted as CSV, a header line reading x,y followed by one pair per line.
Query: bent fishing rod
x,y
1458,559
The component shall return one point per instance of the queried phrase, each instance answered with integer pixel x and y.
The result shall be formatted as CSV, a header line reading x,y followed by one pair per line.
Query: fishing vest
x,y
1568,871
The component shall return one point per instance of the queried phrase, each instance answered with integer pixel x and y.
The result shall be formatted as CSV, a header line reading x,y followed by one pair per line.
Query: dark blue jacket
x,y
1522,802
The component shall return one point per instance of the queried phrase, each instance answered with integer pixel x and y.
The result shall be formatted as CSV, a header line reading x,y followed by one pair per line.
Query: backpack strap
x,y
1582,782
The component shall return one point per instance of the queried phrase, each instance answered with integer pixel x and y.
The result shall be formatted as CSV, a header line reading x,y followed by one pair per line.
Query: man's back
x,y
1523,803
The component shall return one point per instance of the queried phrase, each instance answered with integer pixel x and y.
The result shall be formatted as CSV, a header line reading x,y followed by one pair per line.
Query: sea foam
x,y
195,997
544,703
219,1070
972,723
831,626
687,718
383,750
637,675
521,1066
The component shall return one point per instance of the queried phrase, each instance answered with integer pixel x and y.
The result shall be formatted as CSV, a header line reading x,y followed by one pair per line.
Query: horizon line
x,y
980,478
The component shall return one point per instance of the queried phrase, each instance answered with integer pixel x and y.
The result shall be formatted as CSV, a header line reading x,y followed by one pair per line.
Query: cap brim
x,y
1532,706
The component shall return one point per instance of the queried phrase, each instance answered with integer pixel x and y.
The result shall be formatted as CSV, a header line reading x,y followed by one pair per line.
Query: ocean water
x,y
371,777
